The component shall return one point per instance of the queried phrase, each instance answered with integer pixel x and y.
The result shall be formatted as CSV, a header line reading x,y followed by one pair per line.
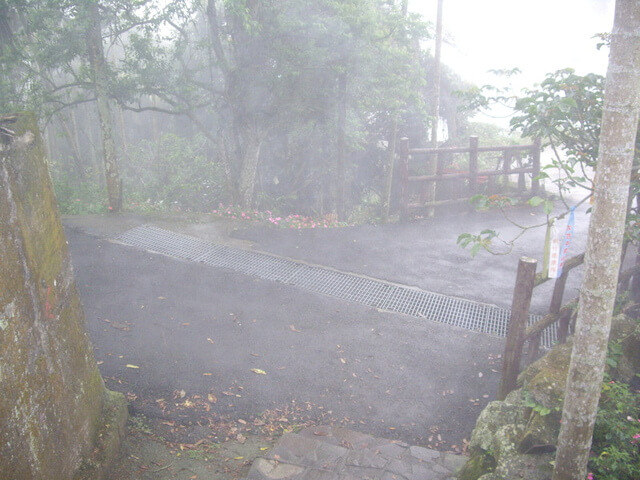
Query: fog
x,y
298,131
538,38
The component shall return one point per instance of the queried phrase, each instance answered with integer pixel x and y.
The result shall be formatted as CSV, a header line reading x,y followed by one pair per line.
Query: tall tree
x,y
100,82
617,142
279,68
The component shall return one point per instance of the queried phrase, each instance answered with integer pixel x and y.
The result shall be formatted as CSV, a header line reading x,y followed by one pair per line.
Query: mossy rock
x,y
523,467
480,463
541,433
544,380
494,417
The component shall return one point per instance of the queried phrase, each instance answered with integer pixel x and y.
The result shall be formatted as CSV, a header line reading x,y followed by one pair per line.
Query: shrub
x,y
173,173
616,436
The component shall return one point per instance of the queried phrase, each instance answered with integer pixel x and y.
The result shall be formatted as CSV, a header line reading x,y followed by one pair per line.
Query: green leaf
x,y
535,201
464,239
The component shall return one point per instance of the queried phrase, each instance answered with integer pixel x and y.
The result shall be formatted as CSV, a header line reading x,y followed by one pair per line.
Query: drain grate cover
x,y
387,296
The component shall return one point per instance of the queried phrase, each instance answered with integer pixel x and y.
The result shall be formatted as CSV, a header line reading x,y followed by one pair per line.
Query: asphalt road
x,y
166,329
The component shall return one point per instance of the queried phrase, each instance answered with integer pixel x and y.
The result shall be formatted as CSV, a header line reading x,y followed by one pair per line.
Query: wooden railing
x,y
411,182
520,333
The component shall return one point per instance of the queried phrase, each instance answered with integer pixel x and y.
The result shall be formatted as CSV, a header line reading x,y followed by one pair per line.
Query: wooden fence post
x,y
473,167
522,293
404,177
506,168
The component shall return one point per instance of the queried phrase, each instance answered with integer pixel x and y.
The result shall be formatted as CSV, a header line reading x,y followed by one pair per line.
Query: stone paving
x,y
336,453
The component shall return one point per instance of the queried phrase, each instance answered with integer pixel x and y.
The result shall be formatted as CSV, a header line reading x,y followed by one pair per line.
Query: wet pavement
x,y
169,329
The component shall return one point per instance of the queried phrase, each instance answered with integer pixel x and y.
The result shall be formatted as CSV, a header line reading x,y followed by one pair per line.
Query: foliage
x,y
537,407
292,221
173,173
296,98
565,112
77,197
487,237
616,436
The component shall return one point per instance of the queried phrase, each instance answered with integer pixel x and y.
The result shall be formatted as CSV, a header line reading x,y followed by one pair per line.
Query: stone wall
x,y
53,398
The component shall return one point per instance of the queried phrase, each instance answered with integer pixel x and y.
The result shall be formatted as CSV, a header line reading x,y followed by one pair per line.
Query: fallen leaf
x,y
132,366
120,326
258,371
294,329
241,438
243,422
262,449
161,298
99,362
209,340
207,374
480,374
212,398
238,458
343,360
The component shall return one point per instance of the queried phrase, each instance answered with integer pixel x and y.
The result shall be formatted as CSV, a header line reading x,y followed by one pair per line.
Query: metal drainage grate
x,y
387,296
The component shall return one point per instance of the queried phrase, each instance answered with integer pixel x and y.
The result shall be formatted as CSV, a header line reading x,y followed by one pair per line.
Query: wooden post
x,y
554,308
517,325
563,326
506,168
473,167
535,160
403,174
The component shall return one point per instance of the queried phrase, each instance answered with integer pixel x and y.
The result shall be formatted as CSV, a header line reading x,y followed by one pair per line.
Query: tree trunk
x,y
249,165
340,180
99,73
71,132
432,166
597,295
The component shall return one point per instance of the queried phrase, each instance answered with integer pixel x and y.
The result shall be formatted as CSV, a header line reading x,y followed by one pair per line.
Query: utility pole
x,y
432,166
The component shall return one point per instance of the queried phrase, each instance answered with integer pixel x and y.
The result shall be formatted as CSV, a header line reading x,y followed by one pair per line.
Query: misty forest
x,y
297,114
286,106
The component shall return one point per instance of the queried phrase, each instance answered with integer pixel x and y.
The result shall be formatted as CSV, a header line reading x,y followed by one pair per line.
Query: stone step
x,y
336,453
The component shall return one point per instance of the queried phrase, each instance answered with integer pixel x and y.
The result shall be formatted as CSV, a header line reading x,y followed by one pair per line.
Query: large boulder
x,y
516,438
57,419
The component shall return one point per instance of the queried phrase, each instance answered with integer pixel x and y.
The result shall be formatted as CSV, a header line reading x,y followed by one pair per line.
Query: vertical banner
x,y
554,250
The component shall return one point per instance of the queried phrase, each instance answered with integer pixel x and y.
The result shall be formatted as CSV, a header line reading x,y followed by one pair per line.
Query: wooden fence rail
x,y
472,173
519,333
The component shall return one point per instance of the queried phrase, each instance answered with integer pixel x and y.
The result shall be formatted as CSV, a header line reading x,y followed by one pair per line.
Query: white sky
x,y
539,36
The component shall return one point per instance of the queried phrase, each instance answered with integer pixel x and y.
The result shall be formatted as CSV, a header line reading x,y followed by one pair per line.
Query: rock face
x,y
54,405
516,438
